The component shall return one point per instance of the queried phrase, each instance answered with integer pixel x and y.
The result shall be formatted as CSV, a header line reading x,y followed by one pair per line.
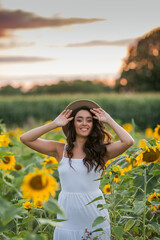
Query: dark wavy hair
x,y
95,145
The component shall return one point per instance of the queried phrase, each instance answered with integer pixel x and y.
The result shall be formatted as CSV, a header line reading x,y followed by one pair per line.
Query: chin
x,y
84,134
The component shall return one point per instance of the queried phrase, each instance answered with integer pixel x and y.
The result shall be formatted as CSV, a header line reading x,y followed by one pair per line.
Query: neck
x,y
80,141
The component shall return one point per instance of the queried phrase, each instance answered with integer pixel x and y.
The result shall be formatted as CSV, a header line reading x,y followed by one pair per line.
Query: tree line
x,y
75,86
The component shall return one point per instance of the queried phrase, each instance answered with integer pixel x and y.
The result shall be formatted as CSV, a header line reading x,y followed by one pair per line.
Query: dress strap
x,y
64,150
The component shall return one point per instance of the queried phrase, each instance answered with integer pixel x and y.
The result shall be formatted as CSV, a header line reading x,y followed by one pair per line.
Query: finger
x,y
101,110
96,109
93,111
68,113
70,118
95,117
63,112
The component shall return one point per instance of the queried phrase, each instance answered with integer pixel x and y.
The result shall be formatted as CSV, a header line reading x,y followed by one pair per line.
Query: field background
x,y
24,111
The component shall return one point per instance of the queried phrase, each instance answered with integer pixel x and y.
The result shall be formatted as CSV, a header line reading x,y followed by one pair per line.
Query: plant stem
x,y
113,221
30,221
144,212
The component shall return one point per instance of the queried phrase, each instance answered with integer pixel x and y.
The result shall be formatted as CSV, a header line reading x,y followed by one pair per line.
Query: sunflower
x,y
149,155
39,185
107,163
128,159
62,140
16,133
4,140
49,121
28,205
142,143
115,169
48,161
18,167
128,168
128,127
8,162
137,161
153,197
156,133
116,178
107,188
38,204
148,132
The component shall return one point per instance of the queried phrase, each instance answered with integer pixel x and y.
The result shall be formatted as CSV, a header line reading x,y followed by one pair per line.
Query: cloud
x,y
98,43
23,59
19,19
13,44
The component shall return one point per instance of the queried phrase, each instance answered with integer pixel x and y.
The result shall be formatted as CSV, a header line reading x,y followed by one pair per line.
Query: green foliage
x,y
75,86
141,68
131,216
18,111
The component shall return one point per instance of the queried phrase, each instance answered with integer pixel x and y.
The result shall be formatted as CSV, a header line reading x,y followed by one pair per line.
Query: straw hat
x,y
79,103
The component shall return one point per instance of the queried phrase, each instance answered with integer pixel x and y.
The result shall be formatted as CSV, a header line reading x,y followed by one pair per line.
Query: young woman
x,y
81,161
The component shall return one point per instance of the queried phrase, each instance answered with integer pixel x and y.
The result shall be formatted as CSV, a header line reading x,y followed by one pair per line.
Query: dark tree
x,y
141,67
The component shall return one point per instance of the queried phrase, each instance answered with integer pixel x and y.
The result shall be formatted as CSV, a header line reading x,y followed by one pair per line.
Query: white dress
x,y
77,189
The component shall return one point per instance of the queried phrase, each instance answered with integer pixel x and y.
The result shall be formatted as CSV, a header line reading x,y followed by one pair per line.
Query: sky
x,y
44,41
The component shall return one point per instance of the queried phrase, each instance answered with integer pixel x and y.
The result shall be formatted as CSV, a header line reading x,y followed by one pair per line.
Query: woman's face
x,y
83,123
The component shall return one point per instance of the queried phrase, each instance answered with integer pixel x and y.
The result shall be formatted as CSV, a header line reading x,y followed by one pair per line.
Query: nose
x,y
84,122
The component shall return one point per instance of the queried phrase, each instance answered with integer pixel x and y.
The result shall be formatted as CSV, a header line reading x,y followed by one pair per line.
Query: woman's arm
x,y
49,147
126,140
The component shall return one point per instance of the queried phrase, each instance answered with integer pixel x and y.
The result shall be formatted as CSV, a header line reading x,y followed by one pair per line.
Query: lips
x,y
84,129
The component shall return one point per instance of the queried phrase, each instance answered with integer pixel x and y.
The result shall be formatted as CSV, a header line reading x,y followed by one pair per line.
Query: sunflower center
x,y
7,160
150,156
49,162
159,131
18,166
37,183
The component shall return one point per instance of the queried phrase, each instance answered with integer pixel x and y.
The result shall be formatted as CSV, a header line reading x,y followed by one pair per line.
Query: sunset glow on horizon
x,y
41,43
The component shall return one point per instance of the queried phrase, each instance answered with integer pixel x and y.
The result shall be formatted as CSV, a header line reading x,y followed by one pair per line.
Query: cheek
x,y
91,125
76,124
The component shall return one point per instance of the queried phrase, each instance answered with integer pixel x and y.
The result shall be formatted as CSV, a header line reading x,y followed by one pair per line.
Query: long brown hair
x,y
95,145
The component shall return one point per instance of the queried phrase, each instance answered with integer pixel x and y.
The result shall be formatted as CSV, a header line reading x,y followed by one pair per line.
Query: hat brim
x,y
79,103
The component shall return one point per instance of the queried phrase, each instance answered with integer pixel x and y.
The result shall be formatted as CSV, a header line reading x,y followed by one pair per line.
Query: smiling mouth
x,y
84,129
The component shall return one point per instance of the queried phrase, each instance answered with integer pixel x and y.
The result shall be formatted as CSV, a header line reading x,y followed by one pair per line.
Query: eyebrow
x,y
82,117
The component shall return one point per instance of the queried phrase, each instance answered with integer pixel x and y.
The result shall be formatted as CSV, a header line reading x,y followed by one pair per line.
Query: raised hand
x,y
101,115
63,118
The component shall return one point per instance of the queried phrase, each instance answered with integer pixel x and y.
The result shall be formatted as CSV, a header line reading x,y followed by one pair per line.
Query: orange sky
x,y
44,41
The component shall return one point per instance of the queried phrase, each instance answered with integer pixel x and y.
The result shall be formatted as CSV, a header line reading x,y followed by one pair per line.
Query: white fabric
x,y
77,189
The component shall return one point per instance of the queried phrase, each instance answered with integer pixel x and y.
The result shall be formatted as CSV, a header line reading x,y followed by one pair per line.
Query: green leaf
x,y
10,214
156,172
34,237
152,142
129,224
139,181
126,209
96,199
118,231
138,207
45,221
53,207
135,229
155,227
151,184
97,230
98,220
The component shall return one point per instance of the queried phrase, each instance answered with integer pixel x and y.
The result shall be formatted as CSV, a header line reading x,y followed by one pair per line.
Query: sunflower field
x,y
29,183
